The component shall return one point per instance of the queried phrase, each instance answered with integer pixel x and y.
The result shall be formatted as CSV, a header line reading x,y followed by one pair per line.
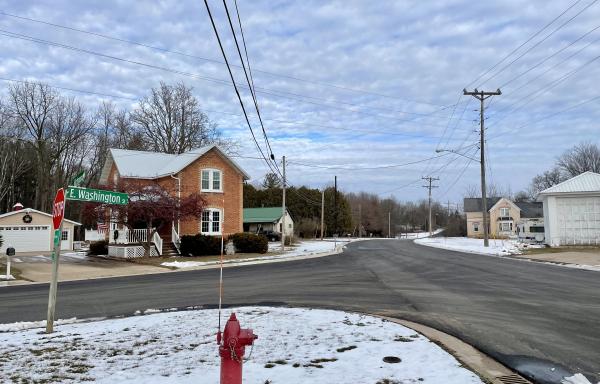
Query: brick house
x,y
207,170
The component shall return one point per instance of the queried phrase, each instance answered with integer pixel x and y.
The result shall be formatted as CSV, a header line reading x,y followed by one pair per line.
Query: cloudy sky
x,y
365,90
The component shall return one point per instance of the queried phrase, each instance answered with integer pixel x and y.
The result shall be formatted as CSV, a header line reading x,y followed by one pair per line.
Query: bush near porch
x,y
202,245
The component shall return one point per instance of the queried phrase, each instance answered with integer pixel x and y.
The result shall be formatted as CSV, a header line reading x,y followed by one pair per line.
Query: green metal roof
x,y
262,215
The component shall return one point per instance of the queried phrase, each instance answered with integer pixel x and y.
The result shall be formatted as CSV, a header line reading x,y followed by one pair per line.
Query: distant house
x,y
267,219
30,230
572,211
506,218
207,171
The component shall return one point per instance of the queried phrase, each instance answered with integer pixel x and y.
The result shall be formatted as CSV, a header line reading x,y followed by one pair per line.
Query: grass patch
x,y
403,339
278,362
344,349
269,365
537,251
323,360
157,261
13,271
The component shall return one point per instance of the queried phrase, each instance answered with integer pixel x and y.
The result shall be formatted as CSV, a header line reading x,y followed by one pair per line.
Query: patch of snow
x,y
418,235
465,244
4,277
294,346
22,325
578,378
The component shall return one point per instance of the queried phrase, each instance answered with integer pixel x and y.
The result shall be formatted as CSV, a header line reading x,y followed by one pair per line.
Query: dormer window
x,y
211,180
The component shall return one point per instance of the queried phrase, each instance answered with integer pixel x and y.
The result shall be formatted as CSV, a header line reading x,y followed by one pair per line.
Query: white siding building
x,y
572,211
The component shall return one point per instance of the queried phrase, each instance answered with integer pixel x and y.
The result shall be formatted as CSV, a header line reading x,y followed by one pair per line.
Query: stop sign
x,y
58,209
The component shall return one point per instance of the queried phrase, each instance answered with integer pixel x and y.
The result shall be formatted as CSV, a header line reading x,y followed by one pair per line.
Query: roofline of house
x,y
26,210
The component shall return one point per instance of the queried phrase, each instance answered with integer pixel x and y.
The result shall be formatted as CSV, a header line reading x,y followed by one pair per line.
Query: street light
x,y
457,153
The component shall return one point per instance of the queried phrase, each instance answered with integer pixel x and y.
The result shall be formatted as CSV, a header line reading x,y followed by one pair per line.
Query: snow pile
x,y
4,277
305,248
294,346
578,378
465,244
21,325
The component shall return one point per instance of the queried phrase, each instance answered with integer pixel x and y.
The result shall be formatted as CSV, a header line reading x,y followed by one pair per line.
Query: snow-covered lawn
x,y
304,248
464,244
294,346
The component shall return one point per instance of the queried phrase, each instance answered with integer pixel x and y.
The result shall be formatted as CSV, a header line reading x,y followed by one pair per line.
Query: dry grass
x,y
538,251
157,261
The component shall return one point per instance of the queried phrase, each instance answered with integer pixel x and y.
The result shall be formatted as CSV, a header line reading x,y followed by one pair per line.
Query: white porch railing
x,y
158,242
175,238
95,234
135,236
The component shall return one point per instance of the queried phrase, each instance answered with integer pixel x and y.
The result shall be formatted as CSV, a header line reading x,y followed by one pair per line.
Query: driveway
x,y
539,319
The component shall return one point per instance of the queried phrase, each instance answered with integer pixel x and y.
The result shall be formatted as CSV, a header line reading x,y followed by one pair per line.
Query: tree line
x,y
46,137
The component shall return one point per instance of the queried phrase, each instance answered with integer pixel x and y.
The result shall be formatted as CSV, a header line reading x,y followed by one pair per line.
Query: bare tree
x,y
545,180
32,105
579,159
171,120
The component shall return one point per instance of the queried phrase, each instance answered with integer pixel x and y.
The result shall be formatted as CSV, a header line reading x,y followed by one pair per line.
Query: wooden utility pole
x,y
482,96
389,224
335,207
322,212
430,186
283,210
359,221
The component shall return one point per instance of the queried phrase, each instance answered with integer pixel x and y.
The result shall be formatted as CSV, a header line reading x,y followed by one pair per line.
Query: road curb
x,y
488,369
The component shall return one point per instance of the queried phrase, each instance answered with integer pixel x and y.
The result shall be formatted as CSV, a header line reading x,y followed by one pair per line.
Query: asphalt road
x,y
541,320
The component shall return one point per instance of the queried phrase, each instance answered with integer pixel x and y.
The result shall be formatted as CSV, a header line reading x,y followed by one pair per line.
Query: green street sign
x,y
79,179
97,196
57,236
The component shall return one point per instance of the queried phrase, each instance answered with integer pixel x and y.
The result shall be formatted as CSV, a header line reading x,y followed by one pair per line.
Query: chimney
x,y
17,207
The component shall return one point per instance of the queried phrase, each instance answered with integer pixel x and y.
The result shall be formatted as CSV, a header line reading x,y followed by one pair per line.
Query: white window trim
x,y
210,222
475,227
507,210
210,180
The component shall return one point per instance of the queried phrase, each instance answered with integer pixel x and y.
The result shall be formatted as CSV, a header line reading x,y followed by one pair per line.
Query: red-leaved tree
x,y
150,206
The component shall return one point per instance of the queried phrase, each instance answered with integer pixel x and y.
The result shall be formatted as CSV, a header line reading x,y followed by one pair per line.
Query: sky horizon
x,y
367,91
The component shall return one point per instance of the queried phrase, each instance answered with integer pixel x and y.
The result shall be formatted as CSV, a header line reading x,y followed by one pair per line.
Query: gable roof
x,y
153,165
585,182
508,201
474,204
531,210
26,210
262,215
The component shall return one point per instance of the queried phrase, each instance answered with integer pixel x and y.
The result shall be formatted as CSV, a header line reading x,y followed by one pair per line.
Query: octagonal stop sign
x,y
58,208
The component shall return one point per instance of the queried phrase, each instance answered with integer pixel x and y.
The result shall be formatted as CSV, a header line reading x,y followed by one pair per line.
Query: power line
x,y
234,84
540,42
523,44
105,36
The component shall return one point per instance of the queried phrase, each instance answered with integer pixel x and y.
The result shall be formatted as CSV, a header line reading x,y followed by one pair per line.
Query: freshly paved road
x,y
530,316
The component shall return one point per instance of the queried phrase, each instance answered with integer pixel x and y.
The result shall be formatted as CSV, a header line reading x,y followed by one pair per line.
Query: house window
x,y
211,222
64,235
211,181
475,227
505,227
504,212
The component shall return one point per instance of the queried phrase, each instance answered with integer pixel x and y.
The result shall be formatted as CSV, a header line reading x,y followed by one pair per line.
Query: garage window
x,y
65,235
475,227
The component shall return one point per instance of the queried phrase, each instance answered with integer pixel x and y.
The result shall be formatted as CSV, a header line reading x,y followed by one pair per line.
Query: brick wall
x,y
230,201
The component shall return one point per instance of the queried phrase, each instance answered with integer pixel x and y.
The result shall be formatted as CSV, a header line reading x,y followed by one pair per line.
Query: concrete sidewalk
x,y
587,259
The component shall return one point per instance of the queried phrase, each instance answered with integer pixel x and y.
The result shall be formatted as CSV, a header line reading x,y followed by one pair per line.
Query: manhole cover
x,y
392,359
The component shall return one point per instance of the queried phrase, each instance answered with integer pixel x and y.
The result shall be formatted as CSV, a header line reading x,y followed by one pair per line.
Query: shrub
x,y
250,242
200,245
99,247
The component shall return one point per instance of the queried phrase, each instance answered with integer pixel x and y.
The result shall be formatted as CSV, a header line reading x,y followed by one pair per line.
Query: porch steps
x,y
169,249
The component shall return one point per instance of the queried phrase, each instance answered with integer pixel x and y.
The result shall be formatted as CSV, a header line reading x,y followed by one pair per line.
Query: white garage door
x,y
26,238
579,220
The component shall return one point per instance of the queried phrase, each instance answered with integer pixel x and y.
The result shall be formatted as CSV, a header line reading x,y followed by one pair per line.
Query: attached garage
x,y
30,230
572,211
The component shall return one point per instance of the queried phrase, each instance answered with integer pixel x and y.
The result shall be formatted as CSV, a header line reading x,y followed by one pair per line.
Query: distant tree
x,y
579,159
522,196
171,120
545,180
271,181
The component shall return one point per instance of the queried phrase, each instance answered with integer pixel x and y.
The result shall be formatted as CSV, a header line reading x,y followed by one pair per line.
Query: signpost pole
x,y
58,211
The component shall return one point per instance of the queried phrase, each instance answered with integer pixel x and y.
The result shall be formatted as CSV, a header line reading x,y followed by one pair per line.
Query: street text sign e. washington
x,y
97,196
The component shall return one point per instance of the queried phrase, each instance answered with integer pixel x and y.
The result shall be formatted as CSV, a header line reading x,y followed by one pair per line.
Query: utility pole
x,y
482,96
359,220
389,224
322,212
430,180
283,210
448,208
335,207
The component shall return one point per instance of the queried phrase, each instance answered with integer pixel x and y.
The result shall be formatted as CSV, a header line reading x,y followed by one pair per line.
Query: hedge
x,y
250,242
99,247
200,245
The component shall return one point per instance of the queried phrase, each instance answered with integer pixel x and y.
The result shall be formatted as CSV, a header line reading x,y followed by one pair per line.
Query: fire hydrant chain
x,y
232,344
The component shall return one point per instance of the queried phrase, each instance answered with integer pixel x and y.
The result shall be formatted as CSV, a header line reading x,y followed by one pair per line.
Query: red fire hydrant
x,y
232,346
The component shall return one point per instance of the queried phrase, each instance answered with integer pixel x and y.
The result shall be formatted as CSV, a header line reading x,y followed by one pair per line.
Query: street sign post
x,y
97,196
58,214
78,180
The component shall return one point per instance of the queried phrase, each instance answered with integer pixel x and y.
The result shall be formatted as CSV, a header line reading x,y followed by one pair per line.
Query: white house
x,y
30,230
572,211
